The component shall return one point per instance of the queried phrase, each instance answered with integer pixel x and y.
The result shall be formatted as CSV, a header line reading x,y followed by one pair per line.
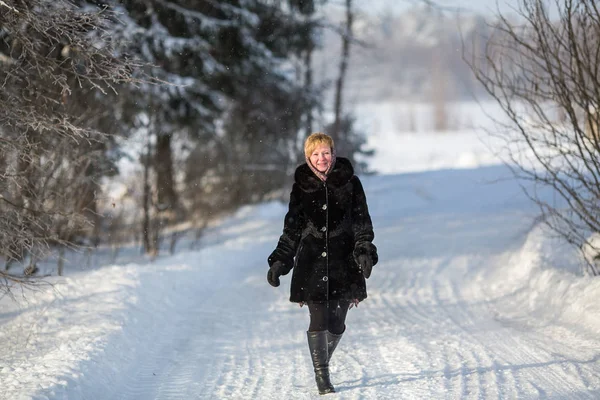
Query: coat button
x,y
325,279
323,254
324,207
323,229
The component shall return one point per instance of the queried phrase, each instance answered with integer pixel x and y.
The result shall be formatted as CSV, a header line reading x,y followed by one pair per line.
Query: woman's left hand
x,y
366,265
353,303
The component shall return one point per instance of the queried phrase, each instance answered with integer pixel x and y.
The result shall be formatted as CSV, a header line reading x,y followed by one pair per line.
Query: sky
x,y
480,6
485,7
470,300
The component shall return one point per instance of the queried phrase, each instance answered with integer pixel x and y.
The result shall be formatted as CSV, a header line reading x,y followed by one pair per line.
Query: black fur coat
x,y
325,229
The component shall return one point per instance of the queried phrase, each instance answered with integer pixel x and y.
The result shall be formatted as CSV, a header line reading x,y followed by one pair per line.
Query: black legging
x,y
329,316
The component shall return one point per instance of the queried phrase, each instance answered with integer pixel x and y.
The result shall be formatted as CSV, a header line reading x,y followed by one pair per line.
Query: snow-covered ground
x,y
404,139
471,300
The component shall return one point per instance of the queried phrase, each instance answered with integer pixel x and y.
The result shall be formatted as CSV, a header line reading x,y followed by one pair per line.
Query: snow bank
x,y
542,283
48,333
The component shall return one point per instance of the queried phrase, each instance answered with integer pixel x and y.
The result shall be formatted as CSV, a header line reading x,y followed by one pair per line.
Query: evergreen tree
x,y
228,61
264,126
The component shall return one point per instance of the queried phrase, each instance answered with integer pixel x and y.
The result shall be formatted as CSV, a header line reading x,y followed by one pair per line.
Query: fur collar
x,y
340,175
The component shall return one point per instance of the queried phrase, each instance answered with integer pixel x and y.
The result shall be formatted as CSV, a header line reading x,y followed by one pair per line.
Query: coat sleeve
x,y
361,224
292,231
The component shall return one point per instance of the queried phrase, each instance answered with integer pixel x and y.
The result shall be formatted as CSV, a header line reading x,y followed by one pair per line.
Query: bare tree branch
x,y
58,73
544,74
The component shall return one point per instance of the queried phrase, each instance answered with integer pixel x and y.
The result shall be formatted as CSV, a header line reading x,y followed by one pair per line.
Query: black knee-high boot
x,y
319,353
332,342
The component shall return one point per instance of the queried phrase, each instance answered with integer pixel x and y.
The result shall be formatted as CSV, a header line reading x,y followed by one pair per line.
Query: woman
x,y
327,241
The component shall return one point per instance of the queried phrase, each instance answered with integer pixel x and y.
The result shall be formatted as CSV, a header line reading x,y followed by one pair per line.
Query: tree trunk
x,y
146,202
173,244
336,134
86,204
26,168
25,195
439,91
165,184
308,83
61,261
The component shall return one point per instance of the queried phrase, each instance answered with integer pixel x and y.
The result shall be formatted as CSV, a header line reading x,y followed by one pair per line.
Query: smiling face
x,y
320,157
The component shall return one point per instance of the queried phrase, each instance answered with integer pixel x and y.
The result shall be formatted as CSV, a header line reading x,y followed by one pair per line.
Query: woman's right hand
x,y
274,273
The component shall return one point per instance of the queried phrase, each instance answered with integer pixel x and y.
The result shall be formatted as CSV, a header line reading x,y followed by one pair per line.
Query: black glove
x,y
274,273
366,264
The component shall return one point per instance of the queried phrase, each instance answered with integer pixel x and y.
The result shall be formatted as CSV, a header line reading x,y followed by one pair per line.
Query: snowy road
x,y
454,312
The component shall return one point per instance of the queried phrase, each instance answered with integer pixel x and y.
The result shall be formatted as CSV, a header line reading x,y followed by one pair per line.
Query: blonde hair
x,y
316,139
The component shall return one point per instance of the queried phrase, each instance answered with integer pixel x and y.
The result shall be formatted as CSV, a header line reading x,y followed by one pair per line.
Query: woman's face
x,y
320,158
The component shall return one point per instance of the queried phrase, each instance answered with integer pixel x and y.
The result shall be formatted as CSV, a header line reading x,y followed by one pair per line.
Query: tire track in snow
x,y
482,359
162,369
245,377
360,381
419,335
472,358
541,351
502,343
577,360
159,354
536,366
400,312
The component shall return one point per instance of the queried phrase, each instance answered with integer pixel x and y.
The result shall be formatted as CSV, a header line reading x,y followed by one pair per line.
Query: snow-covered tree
x,y
265,122
57,70
543,71
216,66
